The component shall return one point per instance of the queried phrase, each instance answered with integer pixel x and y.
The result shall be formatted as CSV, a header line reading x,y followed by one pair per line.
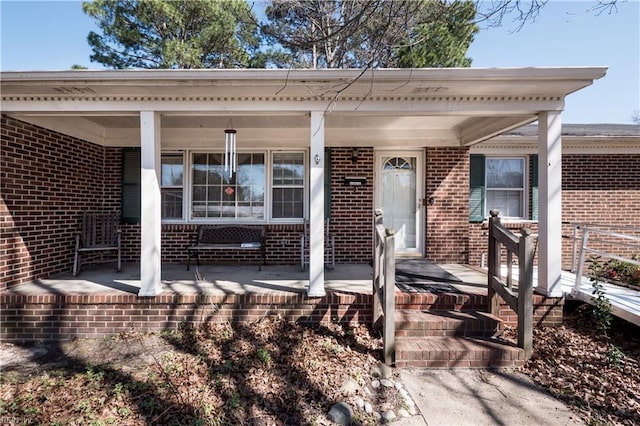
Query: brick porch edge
x,y
54,317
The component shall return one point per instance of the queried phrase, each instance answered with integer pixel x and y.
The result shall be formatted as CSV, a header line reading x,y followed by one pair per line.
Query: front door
x,y
399,185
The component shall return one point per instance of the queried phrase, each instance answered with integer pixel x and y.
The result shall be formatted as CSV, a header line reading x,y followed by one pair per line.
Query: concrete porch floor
x,y
227,279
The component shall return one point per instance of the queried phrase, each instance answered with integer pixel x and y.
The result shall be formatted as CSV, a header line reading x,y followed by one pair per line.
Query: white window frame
x,y
209,220
184,183
305,186
525,184
187,158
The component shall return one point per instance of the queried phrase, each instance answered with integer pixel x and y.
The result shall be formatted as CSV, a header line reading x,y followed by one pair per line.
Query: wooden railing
x,y
384,284
521,300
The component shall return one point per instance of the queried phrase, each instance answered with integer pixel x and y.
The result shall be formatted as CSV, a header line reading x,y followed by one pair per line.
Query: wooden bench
x,y
99,233
227,237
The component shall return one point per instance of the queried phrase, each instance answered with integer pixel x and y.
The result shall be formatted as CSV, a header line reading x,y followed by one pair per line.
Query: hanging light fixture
x,y
230,155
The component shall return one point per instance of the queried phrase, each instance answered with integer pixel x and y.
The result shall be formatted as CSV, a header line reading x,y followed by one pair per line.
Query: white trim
x,y
305,186
174,153
150,211
525,188
316,206
187,189
236,220
420,191
550,204
584,145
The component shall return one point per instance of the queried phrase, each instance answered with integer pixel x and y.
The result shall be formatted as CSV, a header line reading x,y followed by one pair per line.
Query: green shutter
x,y
327,182
130,208
534,187
476,188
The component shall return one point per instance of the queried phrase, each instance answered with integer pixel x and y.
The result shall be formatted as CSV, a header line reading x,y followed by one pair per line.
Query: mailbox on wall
x,y
355,180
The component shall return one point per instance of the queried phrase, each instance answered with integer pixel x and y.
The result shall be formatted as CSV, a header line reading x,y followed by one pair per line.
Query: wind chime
x,y
230,154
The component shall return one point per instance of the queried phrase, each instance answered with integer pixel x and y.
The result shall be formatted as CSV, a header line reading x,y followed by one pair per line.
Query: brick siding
x,y
447,220
352,207
600,189
28,318
596,189
64,317
46,180
49,179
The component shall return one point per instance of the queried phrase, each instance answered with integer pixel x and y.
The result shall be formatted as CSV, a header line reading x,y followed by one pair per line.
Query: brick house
x,y
600,182
149,145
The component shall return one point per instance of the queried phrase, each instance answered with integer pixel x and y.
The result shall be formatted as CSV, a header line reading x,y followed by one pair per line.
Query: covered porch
x,y
436,113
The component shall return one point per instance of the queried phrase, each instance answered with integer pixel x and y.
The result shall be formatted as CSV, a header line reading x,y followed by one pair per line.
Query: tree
x,y
173,34
441,42
493,13
369,33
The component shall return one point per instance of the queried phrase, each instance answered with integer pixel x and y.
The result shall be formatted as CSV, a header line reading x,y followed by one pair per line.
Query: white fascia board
x,y
558,81
309,76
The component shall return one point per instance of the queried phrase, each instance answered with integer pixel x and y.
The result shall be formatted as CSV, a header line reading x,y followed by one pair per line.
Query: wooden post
x,y
377,268
493,300
389,331
525,292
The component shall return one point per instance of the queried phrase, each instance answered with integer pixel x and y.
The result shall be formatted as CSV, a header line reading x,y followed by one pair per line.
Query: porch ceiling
x,y
381,108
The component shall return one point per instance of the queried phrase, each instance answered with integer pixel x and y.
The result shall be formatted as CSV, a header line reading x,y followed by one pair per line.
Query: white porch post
x,y
150,214
316,207
550,206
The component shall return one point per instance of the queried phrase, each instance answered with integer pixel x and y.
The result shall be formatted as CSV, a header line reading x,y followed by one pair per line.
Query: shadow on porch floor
x,y
228,279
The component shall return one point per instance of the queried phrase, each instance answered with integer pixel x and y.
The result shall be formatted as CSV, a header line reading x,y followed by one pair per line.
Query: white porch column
x,y
150,214
316,207
550,205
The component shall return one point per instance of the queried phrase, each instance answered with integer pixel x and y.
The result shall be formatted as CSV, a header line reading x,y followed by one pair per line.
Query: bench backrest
x,y
230,234
99,230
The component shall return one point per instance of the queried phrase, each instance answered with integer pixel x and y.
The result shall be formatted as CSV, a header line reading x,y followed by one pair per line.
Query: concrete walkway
x,y
481,397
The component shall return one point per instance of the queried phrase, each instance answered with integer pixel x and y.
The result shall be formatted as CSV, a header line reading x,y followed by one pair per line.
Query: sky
x,y
52,35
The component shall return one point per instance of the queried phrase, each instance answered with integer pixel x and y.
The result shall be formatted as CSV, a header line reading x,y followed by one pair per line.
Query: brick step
x,y
416,323
457,352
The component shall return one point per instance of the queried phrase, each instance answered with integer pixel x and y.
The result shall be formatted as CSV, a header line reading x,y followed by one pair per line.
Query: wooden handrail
x,y
384,284
522,301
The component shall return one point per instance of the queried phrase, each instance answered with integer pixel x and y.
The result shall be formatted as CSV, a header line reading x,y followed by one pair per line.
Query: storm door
x,y
398,194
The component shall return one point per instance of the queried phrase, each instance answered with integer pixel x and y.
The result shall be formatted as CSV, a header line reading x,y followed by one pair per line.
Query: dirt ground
x,y
276,372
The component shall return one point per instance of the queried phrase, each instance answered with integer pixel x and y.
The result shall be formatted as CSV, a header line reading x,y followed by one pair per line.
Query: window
x,y
500,183
505,186
195,186
171,187
217,194
287,185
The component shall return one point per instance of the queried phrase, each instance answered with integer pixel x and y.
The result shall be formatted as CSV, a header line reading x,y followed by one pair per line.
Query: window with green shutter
x,y
499,183
130,199
476,188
